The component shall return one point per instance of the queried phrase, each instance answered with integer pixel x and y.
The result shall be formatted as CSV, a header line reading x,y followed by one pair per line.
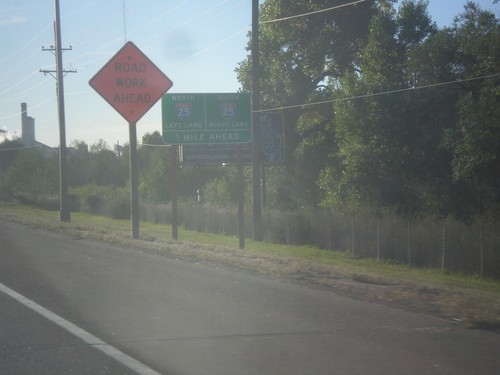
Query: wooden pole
x,y
64,214
241,201
256,148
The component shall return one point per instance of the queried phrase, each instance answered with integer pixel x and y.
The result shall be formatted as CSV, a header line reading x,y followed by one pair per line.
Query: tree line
x,y
98,176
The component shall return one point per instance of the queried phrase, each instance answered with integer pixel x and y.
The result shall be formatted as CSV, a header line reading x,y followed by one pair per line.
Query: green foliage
x,y
97,164
297,57
386,143
419,151
8,152
107,201
154,168
216,192
31,176
474,141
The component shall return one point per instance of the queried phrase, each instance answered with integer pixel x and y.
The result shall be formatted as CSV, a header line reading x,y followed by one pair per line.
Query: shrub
x,y
108,201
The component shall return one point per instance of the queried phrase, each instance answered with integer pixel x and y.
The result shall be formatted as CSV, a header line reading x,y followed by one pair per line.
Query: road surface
x,y
72,306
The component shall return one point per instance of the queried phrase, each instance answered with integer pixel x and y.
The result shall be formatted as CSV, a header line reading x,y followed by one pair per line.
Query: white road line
x,y
88,338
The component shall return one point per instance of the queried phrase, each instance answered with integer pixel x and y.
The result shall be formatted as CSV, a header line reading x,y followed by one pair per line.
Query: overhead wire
x,y
148,42
192,19
210,47
118,39
18,148
364,96
157,36
313,12
31,107
24,46
41,85
358,96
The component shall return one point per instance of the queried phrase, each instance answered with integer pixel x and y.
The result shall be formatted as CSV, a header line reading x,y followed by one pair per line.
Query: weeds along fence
x,y
447,244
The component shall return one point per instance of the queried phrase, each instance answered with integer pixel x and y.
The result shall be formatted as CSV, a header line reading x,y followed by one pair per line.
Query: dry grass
x,y
472,301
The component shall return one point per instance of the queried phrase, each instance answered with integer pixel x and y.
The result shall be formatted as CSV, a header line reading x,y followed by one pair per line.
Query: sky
x,y
196,43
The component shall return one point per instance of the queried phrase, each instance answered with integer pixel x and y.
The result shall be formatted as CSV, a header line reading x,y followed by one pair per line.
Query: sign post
x,y
131,84
134,184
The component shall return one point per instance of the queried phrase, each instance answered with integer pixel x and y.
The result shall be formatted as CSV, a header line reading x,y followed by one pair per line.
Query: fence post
x,y
378,238
352,235
330,231
443,254
481,248
409,242
288,228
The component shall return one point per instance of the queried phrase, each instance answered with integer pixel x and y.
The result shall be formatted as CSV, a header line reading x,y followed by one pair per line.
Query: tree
x,y
422,135
8,152
32,176
154,167
474,141
105,166
79,164
388,137
298,57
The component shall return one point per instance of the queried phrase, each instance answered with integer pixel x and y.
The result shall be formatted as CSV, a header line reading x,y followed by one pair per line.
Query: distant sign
x,y
272,146
130,82
272,141
215,154
223,118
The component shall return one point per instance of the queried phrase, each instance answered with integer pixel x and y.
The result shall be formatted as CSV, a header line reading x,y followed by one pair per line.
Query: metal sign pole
x,y
175,220
134,194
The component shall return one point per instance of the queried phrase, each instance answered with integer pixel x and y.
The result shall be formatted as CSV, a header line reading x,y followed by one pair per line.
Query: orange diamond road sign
x,y
130,82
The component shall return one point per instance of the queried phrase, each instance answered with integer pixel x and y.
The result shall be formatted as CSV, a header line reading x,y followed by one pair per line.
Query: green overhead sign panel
x,y
223,118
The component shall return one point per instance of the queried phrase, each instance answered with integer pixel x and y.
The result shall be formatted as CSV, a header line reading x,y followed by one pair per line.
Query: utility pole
x,y
256,148
64,213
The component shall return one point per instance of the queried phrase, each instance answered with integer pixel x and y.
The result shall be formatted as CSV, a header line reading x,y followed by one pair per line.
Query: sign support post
x,y
134,190
175,221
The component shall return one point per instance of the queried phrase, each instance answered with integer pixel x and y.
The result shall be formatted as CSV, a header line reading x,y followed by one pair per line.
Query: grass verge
x,y
472,301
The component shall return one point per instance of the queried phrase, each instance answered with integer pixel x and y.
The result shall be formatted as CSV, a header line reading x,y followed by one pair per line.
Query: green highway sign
x,y
223,118
272,142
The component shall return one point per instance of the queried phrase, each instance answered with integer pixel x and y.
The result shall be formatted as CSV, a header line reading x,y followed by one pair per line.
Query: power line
x,y
313,12
116,40
197,25
31,107
17,148
156,36
378,93
209,47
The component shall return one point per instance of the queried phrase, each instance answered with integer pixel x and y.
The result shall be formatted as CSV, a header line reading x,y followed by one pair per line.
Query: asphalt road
x,y
71,306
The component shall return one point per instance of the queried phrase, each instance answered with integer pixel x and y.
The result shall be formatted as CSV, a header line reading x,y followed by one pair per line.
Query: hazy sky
x,y
196,43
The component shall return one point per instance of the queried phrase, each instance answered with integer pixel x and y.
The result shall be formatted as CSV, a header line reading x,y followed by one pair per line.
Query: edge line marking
x,y
88,338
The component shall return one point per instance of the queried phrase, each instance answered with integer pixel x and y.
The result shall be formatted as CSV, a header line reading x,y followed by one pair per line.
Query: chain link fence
x,y
450,245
